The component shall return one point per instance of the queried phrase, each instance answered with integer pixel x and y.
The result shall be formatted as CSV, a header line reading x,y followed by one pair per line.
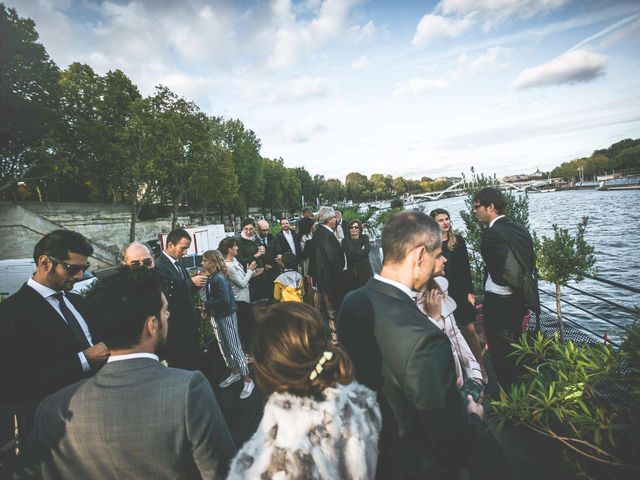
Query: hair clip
x,y
320,365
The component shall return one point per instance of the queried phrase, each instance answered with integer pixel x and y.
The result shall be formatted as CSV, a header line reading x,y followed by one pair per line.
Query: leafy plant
x,y
562,258
560,396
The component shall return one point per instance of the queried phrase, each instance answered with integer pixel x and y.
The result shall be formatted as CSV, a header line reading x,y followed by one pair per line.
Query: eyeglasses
x,y
147,262
71,269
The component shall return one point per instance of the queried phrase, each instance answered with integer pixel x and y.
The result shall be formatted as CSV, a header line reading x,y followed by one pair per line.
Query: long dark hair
x,y
452,239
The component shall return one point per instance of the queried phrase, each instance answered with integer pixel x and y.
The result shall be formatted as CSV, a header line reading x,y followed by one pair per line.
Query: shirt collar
x,y
495,220
401,286
44,291
129,356
171,259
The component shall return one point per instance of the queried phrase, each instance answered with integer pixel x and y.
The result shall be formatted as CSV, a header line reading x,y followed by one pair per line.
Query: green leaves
x,y
557,397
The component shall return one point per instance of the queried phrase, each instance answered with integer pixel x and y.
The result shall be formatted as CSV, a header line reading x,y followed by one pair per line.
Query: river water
x,y
614,231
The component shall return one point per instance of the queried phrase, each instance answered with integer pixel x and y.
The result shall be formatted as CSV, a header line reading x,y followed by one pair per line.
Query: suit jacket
x,y
134,419
507,251
38,351
283,245
328,258
399,353
182,342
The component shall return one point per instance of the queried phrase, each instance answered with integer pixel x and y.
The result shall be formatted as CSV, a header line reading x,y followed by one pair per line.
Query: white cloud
x,y
418,85
575,66
494,56
431,26
300,89
360,34
360,62
452,17
492,12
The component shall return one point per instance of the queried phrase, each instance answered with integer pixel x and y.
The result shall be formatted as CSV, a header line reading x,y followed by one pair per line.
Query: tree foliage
x,y
564,257
560,397
621,157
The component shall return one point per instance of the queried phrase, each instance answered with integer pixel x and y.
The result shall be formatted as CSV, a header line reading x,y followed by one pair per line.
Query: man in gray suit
x,y
135,418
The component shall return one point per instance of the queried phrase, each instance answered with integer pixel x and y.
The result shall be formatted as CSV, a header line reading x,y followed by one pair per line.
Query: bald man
x,y
137,254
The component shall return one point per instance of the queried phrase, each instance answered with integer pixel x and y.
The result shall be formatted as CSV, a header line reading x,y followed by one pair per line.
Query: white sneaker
x,y
247,390
230,380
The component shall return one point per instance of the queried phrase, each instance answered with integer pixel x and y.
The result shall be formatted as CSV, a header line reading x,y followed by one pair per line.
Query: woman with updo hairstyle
x,y
318,422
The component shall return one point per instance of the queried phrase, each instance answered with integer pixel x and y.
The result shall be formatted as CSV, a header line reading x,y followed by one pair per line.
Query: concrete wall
x,y
22,224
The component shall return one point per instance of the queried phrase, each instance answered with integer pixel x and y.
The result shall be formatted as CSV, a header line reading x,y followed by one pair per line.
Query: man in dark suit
x,y
399,353
510,285
183,343
47,339
134,418
329,260
288,241
262,285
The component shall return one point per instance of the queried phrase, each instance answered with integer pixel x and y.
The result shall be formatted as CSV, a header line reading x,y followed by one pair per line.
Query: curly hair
x,y
289,341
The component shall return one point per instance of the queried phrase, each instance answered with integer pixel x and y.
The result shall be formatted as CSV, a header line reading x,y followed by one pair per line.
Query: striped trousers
x,y
230,340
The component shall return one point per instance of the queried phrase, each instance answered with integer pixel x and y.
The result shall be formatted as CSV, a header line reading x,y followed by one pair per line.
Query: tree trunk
x,y
134,218
204,213
174,217
559,311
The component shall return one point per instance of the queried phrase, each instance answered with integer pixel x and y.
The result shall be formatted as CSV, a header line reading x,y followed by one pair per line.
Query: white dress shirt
x,y
289,237
129,356
410,293
490,285
48,294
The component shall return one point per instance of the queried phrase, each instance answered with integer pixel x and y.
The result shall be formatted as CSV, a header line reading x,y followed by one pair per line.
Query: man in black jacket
x,y
47,336
329,261
288,241
510,285
183,343
403,356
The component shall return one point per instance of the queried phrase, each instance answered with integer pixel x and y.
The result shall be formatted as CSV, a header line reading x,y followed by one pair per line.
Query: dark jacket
x,y
507,251
183,340
284,247
219,296
246,252
358,265
328,259
458,272
399,353
38,351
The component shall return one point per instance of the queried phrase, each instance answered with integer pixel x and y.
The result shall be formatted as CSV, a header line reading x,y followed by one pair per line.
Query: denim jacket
x,y
219,299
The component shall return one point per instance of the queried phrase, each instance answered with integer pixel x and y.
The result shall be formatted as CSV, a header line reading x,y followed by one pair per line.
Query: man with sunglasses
x,y
46,339
510,286
137,254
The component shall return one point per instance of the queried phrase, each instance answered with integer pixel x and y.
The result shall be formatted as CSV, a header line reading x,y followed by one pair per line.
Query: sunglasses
x,y
354,227
147,262
71,269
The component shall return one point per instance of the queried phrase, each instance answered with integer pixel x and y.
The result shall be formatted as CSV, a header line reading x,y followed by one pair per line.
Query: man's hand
x,y
473,407
199,280
99,353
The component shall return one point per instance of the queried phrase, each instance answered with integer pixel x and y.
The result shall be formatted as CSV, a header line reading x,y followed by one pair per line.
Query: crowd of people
x,y
364,376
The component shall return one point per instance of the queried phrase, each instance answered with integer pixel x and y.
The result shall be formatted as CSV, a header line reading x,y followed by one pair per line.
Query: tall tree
x,y
307,187
28,99
249,166
355,184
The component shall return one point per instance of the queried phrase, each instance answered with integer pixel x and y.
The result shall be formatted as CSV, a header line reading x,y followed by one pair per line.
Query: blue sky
x,y
407,88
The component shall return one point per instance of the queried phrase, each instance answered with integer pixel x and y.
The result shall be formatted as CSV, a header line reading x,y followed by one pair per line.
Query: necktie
x,y
72,321
179,267
264,242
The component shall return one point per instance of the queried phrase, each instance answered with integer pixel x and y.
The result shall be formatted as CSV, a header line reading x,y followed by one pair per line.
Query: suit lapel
x,y
391,291
44,318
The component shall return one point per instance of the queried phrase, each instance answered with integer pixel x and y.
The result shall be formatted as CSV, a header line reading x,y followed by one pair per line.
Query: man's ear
x,y
151,326
45,263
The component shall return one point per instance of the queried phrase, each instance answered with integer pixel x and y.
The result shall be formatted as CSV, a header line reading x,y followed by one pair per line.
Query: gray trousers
x,y
230,340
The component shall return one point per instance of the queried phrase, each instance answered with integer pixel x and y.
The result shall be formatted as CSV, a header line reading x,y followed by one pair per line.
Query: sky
x,y
404,88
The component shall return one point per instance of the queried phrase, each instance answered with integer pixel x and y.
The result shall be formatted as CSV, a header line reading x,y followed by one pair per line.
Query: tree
x,y
182,146
355,184
563,258
249,166
307,187
28,99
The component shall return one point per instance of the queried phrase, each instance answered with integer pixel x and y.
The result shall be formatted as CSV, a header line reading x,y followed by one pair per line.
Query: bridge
x,y
462,186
